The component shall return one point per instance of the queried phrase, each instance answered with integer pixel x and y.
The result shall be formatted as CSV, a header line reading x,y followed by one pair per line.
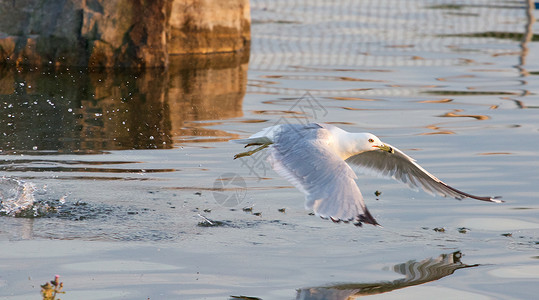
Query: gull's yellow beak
x,y
385,148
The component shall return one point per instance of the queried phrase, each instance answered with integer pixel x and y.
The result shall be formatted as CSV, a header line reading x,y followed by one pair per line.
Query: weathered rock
x,y
209,26
119,33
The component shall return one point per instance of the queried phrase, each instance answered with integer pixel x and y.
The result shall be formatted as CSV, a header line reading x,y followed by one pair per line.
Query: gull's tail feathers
x,y
366,218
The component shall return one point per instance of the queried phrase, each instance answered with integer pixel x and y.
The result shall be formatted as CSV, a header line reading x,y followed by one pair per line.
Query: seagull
x,y
318,158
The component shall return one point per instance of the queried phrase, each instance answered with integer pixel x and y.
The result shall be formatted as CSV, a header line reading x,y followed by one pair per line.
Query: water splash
x,y
17,198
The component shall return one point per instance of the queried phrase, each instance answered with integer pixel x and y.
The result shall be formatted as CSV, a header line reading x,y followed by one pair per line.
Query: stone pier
x,y
119,33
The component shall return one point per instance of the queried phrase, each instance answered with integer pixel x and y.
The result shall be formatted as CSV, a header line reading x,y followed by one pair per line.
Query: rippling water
x,y
136,194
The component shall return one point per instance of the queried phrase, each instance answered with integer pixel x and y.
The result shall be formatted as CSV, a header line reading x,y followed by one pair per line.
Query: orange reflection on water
x,y
352,99
495,153
446,100
75,111
437,130
452,78
455,115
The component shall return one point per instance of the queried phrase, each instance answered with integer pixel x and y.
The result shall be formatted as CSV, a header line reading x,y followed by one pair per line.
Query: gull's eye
x,y
371,141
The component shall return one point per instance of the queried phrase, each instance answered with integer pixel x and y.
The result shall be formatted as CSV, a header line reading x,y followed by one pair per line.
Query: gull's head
x,y
354,143
371,142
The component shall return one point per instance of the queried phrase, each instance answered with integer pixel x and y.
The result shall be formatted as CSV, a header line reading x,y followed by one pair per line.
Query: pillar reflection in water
x,y
75,111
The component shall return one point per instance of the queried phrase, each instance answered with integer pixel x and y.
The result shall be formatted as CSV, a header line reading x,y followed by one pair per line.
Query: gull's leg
x,y
253,144
249,153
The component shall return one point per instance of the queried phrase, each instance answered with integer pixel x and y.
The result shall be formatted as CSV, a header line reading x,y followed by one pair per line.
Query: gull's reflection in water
x,y
415,273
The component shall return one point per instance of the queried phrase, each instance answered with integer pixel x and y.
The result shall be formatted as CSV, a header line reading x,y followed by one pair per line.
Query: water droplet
x,y
151,137
34,148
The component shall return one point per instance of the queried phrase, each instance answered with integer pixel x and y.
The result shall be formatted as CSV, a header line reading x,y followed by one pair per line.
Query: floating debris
x,y
463,230
213,223
439,229
206,220
507,234
377,193
244,298
51,289
208,223
283,210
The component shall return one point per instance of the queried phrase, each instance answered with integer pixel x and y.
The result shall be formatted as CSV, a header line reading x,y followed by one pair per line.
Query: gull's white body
x,y
316,159
342,143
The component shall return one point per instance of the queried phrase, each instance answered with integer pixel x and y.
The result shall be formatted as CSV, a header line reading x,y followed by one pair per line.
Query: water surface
x,y
141,198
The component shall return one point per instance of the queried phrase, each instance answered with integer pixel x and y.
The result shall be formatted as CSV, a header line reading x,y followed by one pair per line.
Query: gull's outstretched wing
x,y
403,168
300,154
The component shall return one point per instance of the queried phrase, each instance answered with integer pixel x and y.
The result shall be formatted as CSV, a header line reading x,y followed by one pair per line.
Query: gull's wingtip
x,y
462,195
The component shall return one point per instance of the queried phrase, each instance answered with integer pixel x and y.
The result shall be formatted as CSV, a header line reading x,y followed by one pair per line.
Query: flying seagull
x,y
317,160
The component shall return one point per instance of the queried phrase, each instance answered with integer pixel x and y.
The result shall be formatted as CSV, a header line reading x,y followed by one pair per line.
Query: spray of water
x,y
17,198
